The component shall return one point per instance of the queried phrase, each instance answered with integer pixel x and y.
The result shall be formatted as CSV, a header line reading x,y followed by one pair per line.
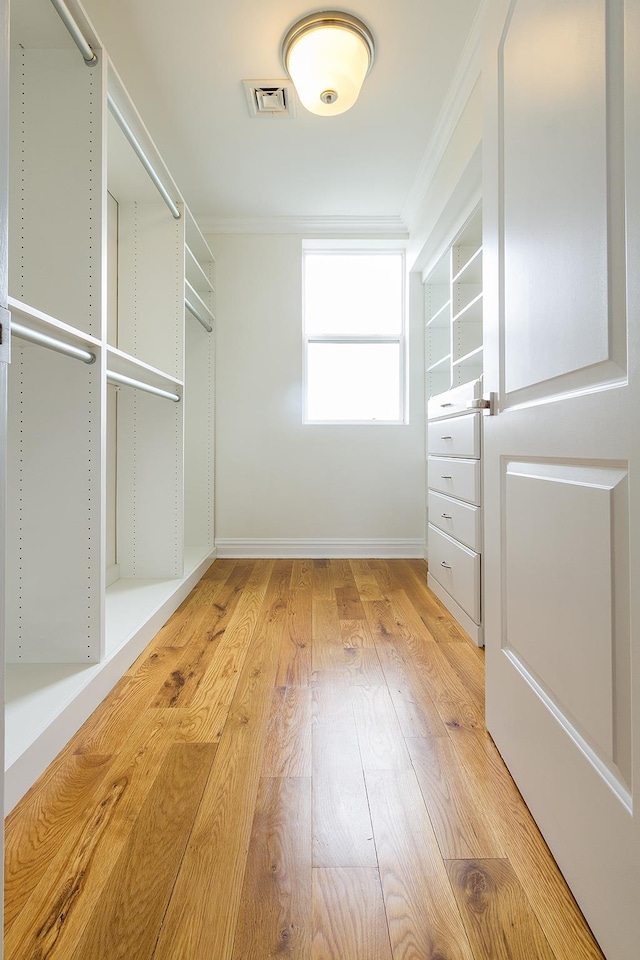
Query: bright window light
x,y
354,336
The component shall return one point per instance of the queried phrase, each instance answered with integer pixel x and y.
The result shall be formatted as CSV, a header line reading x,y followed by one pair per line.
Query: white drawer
x,y
454,401
455,437
455,477
457,569
462,521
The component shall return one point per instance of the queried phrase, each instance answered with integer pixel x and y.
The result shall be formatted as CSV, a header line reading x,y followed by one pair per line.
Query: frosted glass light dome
x,y
328,55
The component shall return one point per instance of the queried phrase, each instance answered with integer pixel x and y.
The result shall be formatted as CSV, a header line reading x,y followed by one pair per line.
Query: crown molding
x,y
307,226
465,78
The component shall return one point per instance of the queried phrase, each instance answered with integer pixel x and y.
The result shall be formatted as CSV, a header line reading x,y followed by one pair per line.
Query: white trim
x,y
319,549
464,80
324,226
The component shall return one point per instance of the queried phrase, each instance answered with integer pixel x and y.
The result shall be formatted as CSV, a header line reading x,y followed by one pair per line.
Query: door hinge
x,y
5,335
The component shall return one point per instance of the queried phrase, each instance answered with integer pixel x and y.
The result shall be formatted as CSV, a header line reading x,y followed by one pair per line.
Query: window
x,y
353,308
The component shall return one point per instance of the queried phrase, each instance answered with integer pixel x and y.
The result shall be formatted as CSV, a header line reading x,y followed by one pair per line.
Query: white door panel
x,y
562,457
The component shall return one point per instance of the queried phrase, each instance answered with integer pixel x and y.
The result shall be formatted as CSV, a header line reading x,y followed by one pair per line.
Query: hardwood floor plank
x,y
331,698
341,575
422,913
301,572
356,633
415,709
447,691
222,594
341,832
207,629
464,659
54,916
326,643
108,729
495,911
543,884
203,927
209,707
288,743
51,812
349,604
365,579
274,918
127,920
382,746
294,662
321,580
349,921
409,624
462,828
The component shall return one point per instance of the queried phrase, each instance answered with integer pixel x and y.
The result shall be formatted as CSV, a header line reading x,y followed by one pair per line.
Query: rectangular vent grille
x,y
269,98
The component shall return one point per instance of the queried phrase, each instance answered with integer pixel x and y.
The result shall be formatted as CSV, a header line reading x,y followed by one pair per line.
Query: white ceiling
x,y
183,64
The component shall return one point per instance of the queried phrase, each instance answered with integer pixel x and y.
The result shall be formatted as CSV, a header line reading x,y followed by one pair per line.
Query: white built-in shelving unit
x,y
453,301
453,311
110,485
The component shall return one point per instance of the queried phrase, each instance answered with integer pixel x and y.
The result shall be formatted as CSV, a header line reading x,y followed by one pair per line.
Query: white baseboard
x,y
319,549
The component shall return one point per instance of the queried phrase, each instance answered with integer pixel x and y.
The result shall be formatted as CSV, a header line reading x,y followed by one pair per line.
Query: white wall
x,y
275,477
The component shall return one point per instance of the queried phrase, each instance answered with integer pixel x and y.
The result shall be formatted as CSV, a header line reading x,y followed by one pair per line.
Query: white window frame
x,y
366,248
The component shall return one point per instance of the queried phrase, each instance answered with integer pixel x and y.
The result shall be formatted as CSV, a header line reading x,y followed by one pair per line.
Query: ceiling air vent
x,y
269,98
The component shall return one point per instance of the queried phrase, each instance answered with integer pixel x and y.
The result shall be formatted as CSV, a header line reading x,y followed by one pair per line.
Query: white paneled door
x,y
562,454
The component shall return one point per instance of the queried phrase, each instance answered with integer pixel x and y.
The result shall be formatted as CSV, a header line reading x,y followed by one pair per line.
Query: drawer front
x,y
455,437
454,401
462,521
457,569
455,478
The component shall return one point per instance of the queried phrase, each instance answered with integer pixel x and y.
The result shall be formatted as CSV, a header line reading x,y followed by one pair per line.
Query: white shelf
x,y
441,364
474,357
453,311
471,312
197,301
195,273
471,270
51,325
120,362
442,317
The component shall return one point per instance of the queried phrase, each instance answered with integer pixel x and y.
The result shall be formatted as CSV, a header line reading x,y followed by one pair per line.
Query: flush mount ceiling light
x,y
328,55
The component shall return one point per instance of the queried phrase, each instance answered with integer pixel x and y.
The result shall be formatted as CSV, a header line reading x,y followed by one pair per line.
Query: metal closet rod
x,y
43,340
89,57
194,313
144,160
120,380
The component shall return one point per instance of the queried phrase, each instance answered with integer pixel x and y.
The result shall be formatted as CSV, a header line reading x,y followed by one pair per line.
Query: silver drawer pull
x,y
446,404
446,438
448,477
447,516
446,565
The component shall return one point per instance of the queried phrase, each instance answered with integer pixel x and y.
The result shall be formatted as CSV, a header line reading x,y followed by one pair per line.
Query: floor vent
x,y
269,98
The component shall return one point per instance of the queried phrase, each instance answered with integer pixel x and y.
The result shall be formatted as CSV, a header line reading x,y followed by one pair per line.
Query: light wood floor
x,y
296,767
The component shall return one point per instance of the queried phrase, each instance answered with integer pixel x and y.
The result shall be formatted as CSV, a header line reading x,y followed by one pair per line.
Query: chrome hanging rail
x,y
120,380
194,313
144,160
43,340
89,57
